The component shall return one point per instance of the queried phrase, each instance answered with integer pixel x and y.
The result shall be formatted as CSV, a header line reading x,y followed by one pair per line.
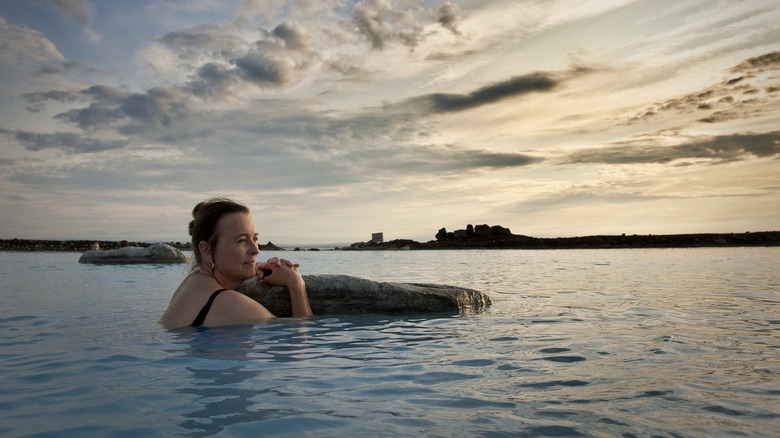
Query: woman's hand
x,y
285,273
279,271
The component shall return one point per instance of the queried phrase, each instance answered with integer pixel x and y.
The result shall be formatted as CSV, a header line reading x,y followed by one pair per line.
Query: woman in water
x,y
224,246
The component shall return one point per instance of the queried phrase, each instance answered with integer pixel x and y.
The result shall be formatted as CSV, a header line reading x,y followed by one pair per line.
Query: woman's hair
x,y
203,227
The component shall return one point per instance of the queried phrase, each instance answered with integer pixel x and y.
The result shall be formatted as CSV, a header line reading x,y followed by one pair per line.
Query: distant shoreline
x,y
511,241
30,245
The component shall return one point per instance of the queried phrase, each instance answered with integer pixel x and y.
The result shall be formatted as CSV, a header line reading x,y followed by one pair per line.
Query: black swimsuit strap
x,y
205,310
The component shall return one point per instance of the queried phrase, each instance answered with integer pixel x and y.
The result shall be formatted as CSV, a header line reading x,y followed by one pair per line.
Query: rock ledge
x,y
157,253
344,294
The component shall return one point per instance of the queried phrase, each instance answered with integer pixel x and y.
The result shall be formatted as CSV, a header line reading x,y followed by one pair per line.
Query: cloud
x,y
347,69
22,46
65,141
102,93
451,159
767,61
59,69
448,17
153,112
512,87
207,41
36,101
382,23
222,58
73,10
369,18
278,59
728,100
718,150
724,116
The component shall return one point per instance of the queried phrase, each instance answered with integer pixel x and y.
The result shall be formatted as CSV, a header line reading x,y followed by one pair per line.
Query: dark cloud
x,y
60,69
719,149
768,61
66,141
471,159
735,80
382,24
212,41
213,80
73,10
718,98
444,56
724,116
448,17
295,37
347,69
276,60
49,70
416,159
94,115
153,111
103,93
36,102
262,69
518,85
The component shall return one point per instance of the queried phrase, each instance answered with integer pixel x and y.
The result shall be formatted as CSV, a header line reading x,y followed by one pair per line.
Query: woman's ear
x,y
205,253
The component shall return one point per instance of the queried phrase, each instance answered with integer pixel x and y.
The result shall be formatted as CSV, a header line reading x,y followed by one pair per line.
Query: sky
x,y
336,119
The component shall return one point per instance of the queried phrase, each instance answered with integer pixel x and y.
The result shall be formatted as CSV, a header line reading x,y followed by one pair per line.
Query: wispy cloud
x,y
73,9
23,46
713,150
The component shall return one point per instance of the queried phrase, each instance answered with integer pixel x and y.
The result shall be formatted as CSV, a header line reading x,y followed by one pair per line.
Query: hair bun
x,y
198,208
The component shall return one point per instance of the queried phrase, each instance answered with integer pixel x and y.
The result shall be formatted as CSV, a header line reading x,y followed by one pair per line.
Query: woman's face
x,y
234,256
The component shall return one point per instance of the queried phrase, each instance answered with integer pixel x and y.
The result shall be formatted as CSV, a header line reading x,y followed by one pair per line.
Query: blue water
x,y
657,342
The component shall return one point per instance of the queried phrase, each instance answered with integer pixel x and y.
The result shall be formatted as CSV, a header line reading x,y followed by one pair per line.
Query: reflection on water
x,y
247,374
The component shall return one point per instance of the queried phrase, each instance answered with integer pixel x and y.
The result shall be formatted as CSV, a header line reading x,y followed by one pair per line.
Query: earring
x,y
212,266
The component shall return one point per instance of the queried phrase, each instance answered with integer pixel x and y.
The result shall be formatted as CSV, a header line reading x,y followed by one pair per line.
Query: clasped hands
x,y
278,271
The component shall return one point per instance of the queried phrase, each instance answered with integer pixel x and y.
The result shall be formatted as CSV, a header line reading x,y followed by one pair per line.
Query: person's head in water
x,y
204,226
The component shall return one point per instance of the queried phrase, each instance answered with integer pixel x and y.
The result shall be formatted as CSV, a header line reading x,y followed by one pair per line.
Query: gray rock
x,y
157,253
343,294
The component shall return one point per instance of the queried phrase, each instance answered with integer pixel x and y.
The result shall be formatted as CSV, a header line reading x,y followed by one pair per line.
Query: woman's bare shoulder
x,y
188,299
233,306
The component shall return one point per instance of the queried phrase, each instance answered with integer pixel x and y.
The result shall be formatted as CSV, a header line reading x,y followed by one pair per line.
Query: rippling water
x,y
658,342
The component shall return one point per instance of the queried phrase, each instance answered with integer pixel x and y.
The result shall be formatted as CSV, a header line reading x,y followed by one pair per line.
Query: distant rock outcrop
x,y
157,253
343,294
269,247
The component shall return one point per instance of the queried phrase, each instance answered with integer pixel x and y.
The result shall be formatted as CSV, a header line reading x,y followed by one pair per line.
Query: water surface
x,y
650,342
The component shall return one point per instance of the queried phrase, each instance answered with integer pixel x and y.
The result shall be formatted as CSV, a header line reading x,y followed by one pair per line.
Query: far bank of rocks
x,y
499,237
26,245
472,237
